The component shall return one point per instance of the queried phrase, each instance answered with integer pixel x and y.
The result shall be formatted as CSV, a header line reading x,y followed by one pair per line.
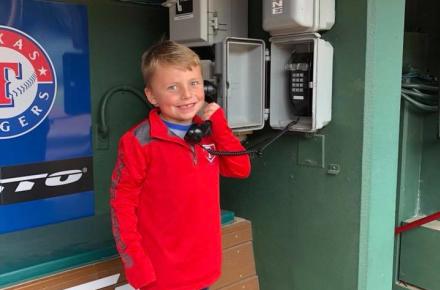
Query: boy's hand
x,y
208,110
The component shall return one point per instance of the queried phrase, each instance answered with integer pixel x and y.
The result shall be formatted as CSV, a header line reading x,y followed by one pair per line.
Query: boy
x,y
165,192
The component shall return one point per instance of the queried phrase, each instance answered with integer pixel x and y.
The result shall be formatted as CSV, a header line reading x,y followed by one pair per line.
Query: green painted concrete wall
x,y
305,222
410,159
430,181
429,22
317,231
119,34
381,131
419,186
419,260
422,19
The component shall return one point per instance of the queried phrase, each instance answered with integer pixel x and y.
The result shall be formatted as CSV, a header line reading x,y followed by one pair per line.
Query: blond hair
x,y
167,52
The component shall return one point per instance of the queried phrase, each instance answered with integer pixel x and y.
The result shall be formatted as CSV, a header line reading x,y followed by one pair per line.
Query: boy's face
x,y
177,92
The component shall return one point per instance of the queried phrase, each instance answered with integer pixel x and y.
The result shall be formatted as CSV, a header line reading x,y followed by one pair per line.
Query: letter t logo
x,y
5,80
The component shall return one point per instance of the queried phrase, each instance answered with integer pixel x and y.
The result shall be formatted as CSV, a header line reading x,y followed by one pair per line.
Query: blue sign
x,y
45,114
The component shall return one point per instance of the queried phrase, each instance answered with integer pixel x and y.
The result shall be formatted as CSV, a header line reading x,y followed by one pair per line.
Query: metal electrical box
x,y
243,83
206,22
301,67
282,99
297,16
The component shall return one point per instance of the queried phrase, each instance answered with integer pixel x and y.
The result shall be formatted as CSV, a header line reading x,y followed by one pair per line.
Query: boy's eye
x,y
195,83
172,88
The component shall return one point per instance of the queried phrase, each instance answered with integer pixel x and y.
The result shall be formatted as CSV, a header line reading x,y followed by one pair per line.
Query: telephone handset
x,y
196,132
300,76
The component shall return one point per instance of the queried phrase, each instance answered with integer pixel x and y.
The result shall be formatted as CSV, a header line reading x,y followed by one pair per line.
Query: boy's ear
x,y
150,96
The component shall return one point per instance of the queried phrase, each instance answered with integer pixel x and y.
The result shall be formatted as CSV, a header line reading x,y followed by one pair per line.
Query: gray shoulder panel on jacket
x,y
142,132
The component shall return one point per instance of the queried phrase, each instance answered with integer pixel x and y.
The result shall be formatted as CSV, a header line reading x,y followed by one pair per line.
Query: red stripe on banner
x,y
417,223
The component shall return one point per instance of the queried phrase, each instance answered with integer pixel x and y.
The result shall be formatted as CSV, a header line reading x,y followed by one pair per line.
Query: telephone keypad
x,y
298,84
300,71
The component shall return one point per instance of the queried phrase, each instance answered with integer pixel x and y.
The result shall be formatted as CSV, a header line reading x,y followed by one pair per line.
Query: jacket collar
x,y
159,130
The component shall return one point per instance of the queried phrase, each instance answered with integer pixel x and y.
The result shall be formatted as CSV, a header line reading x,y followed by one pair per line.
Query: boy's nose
x,y
186,93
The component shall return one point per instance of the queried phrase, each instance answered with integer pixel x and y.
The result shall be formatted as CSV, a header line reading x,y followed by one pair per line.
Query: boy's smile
x,y
178,92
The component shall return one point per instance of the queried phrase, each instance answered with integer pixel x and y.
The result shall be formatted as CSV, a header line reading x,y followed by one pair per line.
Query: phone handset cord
x,y
257,152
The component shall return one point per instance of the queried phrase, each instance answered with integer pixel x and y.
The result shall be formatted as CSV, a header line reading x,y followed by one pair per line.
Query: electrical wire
x,y
420,86
419,105
103,128
421,91
420,77
257,152
421,96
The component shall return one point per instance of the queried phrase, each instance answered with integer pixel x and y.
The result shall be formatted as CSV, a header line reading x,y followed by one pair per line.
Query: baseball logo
x,y
209,156
27,83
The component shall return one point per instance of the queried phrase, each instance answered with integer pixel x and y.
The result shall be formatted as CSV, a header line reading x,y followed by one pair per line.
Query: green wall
x,y
427,20
313,230
119,34
430,181
416,259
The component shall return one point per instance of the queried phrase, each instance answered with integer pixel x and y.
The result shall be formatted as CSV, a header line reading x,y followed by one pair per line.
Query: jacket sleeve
x,y
127,179
224,139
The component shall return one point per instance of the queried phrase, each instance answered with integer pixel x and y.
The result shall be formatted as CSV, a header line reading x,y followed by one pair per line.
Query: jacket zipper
x,y
191,148
194,154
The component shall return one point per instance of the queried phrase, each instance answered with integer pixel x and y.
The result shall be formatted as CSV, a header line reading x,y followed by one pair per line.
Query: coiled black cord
x,y
258,152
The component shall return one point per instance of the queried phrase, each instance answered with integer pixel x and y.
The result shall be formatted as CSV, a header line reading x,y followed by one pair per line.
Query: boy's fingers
x,y
212,107
209,110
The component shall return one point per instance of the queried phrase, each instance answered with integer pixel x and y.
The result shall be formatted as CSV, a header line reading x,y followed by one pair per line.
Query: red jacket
x,y
165,204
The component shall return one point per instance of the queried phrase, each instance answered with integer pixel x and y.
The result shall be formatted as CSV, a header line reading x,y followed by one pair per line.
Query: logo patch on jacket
x,y
209,156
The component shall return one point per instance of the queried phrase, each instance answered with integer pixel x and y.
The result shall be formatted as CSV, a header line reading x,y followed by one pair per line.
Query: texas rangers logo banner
x,y
45,114
27,83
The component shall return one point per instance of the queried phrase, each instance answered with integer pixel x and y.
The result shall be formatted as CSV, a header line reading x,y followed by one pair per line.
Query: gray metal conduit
x,y
103,128
422,96
420,86
419,105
